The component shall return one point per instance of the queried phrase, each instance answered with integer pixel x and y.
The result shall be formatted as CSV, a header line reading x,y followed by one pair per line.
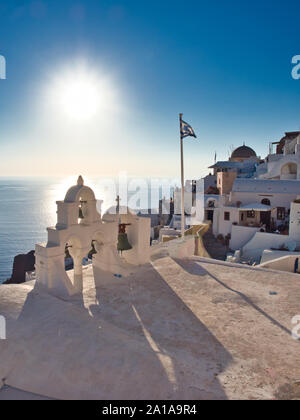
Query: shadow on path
x,y
129,338
195,268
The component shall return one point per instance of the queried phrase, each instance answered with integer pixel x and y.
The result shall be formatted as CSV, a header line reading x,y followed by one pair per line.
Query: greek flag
x,y
186,130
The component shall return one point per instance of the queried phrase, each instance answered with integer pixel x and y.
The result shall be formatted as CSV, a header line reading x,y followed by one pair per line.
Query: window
x,y
226,215
266,202
251,214
211,204
280,213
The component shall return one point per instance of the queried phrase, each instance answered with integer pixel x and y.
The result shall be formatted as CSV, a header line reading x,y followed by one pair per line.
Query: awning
x,y
255,207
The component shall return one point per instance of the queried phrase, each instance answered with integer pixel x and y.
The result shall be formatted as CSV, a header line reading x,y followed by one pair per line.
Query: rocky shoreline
x,y
23,263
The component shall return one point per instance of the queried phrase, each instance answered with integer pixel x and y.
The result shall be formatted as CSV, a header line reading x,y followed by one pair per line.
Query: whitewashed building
x,y
254,205
251,211
285,163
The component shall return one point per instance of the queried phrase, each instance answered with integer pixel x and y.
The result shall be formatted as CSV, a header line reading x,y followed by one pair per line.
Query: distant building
x,y
243,153
255,196
243,161
253,205
285,163
251,199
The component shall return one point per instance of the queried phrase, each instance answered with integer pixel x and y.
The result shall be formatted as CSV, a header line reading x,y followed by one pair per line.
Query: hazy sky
x,y
225,65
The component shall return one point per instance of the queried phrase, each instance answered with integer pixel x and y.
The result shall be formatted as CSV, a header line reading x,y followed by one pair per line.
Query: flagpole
x,y
182,181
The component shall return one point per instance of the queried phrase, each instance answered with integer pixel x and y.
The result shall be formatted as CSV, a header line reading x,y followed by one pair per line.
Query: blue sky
x,y
225,65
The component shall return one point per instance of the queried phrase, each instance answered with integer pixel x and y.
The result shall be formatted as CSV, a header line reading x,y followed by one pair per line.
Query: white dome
x,y
79,191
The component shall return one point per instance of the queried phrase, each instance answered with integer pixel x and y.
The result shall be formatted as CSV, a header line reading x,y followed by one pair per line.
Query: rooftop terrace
x,y
178,328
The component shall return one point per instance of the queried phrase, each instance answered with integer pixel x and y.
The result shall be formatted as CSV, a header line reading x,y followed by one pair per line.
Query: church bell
x,y
123,243
80,216
92,251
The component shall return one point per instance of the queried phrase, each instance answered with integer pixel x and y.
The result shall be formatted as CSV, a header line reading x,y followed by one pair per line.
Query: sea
x,y
28,207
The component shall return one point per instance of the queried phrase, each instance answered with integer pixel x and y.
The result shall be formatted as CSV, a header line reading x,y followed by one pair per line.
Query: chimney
x,y
225,182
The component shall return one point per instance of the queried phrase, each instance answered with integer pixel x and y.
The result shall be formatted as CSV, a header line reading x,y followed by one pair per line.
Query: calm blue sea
x,y
28,207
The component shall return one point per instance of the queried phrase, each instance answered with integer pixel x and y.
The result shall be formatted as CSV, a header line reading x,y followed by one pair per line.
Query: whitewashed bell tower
x,y
79,225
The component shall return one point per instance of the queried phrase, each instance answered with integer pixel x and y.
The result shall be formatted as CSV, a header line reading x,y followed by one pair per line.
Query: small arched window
x,y
266,202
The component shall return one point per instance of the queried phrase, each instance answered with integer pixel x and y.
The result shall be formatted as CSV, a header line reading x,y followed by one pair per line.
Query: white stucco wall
x,y
202,201
286,263
276,199
261,241
273,168
270,255
224,227
215,226
240,235
188,201
294,231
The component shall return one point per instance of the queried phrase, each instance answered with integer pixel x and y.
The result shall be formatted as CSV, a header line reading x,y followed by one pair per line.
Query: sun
x,y
82,94
80,98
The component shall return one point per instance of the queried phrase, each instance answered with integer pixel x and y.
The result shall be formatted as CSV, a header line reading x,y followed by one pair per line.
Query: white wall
x,y
225,226
240,235
276,199
188,201
270,255
294,231
215,226
202,202
139,238
261,241
274,168
286,263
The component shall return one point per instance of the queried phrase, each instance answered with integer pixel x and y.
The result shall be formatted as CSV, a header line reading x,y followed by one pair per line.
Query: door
x,y
210,215
265,219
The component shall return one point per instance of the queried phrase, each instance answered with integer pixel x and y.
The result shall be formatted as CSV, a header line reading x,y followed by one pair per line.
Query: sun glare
x,y
80,98
82,94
